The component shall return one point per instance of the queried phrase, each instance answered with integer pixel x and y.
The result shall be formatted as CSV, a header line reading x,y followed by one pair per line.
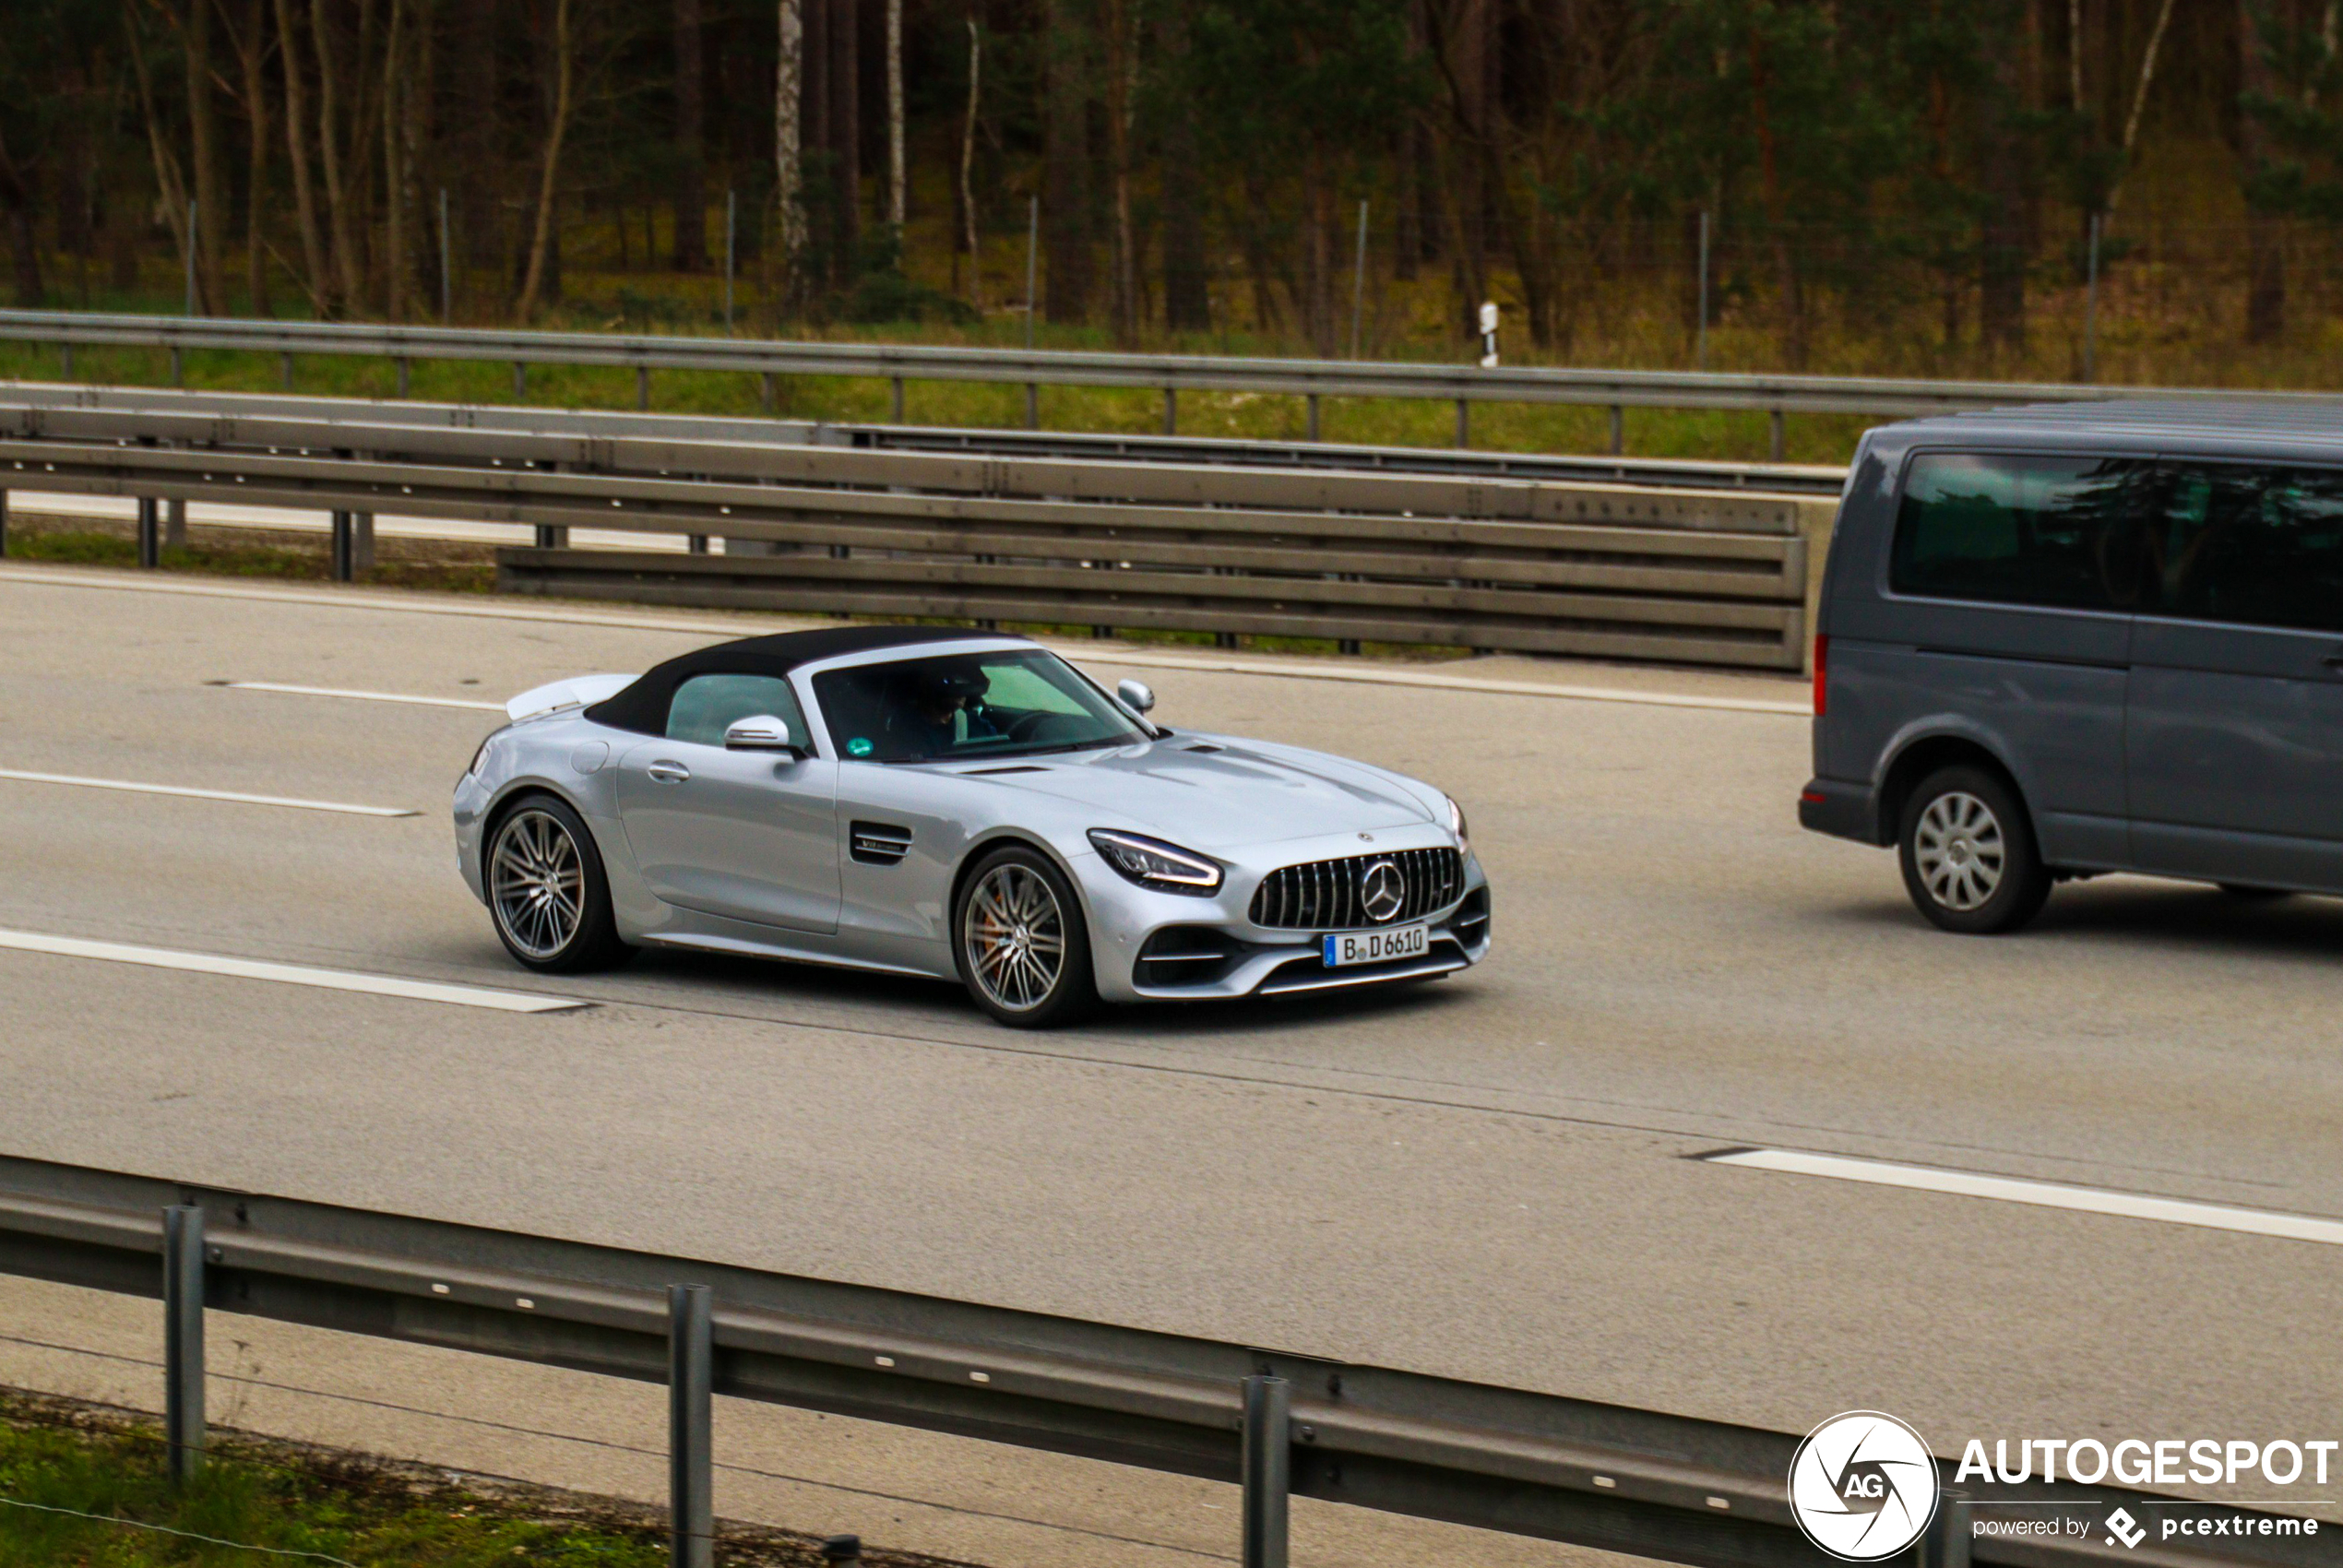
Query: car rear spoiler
x,y
575,692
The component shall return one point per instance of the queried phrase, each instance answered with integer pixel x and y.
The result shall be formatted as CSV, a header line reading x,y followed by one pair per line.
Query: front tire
x,y
1969,860
547,892
1020,941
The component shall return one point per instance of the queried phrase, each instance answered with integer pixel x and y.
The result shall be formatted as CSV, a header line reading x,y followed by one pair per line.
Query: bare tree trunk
x,y
16,195
2001,295
1793,302
251,56
691,135
395,280
1066,157
2265,261
895,171
1122,94
312,248
788,202
339,201
415,130
1187,299
846,135
967,160
167,176
2139,99
540,243
203,147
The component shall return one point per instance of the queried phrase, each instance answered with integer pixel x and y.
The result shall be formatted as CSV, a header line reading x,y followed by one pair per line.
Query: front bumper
x,y
1169,947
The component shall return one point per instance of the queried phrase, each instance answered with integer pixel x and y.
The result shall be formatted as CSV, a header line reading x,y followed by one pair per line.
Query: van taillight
x,y
1822,673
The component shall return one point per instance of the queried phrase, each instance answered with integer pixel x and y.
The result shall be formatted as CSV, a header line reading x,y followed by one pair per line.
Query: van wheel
x,y
1969,854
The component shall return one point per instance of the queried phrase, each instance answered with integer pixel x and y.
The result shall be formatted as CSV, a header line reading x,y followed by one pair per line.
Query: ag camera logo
x,y
1863,1486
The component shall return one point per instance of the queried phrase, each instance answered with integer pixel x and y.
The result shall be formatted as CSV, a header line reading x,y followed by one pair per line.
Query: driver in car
x,y
942,695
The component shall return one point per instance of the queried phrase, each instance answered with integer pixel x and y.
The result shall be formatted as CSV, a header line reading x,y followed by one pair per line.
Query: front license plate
x,y
1346,947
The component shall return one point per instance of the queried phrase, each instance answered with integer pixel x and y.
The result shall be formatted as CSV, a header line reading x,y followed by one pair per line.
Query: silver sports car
x,y
919,800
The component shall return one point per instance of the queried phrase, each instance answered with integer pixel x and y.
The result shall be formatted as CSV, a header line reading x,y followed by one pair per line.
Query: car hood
x,y
1214,791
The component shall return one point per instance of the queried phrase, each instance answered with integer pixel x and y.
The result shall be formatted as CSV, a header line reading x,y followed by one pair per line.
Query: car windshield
x,y
1014,703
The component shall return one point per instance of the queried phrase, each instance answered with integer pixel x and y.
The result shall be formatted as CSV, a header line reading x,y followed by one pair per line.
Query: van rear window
x,y
2058,531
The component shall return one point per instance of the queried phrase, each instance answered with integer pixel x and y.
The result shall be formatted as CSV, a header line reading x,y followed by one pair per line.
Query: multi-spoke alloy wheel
x,y
1968,849
546,890
1023,949
1960,851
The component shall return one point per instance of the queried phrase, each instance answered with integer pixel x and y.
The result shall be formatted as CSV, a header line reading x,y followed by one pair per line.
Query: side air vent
x,y
879,843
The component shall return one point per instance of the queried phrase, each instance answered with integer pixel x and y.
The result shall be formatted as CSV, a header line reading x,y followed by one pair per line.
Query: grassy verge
x,y
1513,427
86,1485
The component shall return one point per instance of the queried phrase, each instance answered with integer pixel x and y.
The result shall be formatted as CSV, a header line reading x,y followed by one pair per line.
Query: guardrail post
x,y
690,1428
1269,1470
899,401
3,525
1618,430
361,542
178,367
150,532
1464,423
285,371
765,390
343,558
1313,416
64,360
404,369
555,537
1032,405
696,544
1170,411
643,386
843,1549
521,379
175,525
182,1373
1775,444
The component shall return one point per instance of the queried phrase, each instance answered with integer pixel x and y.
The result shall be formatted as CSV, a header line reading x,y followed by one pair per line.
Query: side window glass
x,y
2057,531
2255,546
706,706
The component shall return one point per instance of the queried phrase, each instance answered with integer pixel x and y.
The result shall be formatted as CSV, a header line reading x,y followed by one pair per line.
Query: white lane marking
x,y
361,696
2042,1194
409,602
288,974
344,807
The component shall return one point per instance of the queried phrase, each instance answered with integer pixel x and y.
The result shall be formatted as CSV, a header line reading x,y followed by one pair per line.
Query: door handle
x,y
669,772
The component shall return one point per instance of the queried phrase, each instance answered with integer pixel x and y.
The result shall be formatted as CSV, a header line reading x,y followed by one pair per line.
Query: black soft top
x,y
643,706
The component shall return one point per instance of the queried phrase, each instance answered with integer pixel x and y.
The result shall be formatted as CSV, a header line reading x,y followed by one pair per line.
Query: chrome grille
x,y
1323,895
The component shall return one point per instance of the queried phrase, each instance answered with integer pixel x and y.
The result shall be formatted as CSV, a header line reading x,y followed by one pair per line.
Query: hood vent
x,y
879,843
996,772
1204,746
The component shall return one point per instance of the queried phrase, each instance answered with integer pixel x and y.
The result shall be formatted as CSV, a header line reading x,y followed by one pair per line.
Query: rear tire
x,y
547,893
1020,941
1969,855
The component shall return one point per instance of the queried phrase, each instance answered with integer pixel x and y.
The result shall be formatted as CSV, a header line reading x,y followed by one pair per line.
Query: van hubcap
x,y
1958,848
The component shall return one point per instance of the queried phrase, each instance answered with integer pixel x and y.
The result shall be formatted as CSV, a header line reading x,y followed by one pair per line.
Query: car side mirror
x,y
760,732
1137,696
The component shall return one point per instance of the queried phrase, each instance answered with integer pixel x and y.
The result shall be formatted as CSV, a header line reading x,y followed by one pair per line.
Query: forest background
x,y
1882,186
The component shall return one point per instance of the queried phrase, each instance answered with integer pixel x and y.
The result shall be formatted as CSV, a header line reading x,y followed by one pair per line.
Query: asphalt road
x,y
1491,1178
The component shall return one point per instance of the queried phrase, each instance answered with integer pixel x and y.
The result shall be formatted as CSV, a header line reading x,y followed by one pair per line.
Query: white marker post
x,y
1489,334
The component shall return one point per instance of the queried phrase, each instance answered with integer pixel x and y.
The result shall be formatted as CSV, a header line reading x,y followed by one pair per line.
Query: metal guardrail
x,y
1454,558
1683,473
1642,1482
1168,374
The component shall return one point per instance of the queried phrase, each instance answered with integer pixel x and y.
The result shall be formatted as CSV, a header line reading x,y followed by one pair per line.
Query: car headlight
x,y
1151,862
1456,826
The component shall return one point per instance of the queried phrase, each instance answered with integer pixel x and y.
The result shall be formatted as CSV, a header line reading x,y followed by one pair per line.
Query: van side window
x,y
2251,546
2058,531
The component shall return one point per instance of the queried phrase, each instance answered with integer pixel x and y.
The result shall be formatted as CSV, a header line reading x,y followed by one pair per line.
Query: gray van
x,y
2109,636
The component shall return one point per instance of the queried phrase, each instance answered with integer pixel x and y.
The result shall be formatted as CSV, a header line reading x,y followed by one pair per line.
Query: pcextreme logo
x,y
1863,1486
